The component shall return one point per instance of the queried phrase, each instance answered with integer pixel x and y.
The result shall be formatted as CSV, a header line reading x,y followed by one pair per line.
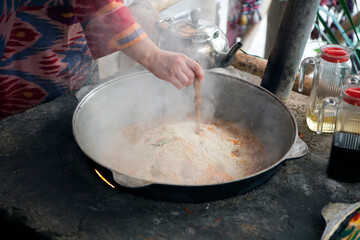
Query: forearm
x,y
143,52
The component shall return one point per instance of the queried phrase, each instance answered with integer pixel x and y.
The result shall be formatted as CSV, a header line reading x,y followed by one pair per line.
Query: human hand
x,y
173,67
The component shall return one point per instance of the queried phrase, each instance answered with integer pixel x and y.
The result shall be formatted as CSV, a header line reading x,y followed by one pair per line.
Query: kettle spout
x,y
226,59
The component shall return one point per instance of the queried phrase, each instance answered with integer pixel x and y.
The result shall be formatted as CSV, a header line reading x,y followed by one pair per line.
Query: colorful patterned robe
x,y
47,46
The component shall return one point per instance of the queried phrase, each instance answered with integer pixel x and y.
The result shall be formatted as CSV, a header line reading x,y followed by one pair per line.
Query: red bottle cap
x,y
335,55
352,96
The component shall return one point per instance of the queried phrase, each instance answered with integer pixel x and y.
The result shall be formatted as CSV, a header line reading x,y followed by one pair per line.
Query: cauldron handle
x,y
298,150
128,181
84,91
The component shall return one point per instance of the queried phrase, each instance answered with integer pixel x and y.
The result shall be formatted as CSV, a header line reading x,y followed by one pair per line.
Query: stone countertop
x,y
49,191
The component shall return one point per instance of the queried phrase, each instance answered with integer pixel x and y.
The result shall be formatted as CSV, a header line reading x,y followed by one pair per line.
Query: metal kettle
x,y
199,39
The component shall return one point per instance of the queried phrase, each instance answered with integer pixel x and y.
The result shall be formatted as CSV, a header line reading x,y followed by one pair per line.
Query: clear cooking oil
x,y
328,121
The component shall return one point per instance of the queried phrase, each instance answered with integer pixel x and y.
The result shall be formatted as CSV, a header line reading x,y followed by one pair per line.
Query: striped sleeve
x,y
108,25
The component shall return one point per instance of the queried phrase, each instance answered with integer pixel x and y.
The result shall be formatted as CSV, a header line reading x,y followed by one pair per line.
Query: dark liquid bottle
x,y
344,163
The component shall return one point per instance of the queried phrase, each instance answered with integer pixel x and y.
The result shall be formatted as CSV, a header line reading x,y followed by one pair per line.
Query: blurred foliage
x,y
331,18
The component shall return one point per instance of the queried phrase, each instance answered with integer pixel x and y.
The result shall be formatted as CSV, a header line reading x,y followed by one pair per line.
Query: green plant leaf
x,y
357,52
348,15
337,24
323,34
330,35
249,54
356,58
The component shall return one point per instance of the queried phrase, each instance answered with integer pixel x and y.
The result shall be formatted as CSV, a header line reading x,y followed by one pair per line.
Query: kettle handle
x,y
164,23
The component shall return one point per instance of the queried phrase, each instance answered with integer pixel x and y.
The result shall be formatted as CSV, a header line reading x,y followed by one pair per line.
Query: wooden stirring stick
x,y
197,102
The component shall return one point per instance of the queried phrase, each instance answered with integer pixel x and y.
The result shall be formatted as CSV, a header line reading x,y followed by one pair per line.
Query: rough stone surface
x,y
48,187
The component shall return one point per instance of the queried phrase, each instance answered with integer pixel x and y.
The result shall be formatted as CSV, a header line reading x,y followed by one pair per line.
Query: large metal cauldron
x,y
142,97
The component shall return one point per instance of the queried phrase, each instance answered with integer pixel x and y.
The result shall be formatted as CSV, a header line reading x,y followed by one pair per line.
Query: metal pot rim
x,y
297,150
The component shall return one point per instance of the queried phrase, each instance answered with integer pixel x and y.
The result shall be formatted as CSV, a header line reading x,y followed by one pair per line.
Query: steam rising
x,y
143,99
